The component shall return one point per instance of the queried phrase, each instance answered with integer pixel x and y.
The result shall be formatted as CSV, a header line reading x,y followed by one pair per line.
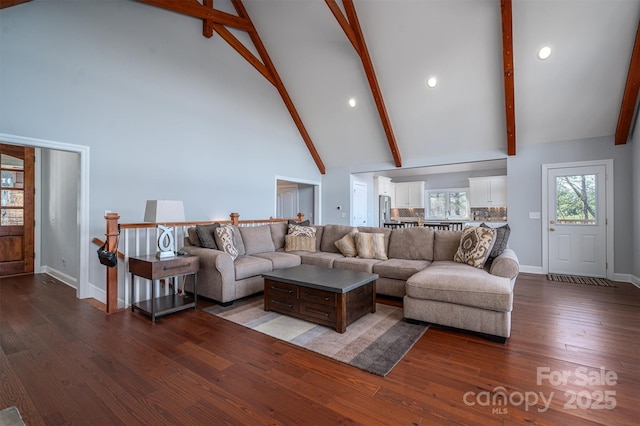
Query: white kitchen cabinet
x,y
489,191
383,185
409,195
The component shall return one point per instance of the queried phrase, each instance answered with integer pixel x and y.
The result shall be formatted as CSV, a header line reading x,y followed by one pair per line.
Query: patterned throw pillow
x,y
475,246
501,240
370,246
347,244
306,231
299,243
225,240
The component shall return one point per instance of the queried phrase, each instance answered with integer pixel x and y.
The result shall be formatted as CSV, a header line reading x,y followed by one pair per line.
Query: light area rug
x,y
374,343
11,417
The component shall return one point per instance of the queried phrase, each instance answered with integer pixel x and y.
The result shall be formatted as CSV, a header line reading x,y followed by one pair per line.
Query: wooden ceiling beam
x,y
9,3
507,63
214,20
351,27
262,51
630,96
203,11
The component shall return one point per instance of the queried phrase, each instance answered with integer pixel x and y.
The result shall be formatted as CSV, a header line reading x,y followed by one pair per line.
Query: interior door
x,y
17,210
577,220
287,201
359,204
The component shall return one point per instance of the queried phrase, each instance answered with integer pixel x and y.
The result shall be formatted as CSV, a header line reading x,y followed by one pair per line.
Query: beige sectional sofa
x,y
420,268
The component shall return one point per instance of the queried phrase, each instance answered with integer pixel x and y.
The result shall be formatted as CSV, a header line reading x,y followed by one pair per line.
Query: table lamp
x,y
163,212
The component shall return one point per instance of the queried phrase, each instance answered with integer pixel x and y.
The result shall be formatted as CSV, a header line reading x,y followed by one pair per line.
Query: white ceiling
x,y
574,94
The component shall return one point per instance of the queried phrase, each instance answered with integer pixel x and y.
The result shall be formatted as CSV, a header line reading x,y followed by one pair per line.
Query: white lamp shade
x,y
164,211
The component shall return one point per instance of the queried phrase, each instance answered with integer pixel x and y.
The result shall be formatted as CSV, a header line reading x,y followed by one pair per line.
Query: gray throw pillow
x,y
501,240
206,235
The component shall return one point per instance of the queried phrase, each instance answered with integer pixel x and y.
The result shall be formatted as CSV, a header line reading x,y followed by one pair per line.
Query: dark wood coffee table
x,y
331,297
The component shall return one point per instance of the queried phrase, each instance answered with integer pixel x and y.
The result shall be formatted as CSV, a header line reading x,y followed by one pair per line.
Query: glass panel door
x,y
12,204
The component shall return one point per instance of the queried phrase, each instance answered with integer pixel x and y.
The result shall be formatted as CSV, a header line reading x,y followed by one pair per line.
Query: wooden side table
x,y
154,269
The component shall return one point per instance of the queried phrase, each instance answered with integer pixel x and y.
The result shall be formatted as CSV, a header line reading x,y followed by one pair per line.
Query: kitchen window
x,y
448,204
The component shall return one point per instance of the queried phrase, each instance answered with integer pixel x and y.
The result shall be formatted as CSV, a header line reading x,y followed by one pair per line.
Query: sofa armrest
x,y
216,277
506,265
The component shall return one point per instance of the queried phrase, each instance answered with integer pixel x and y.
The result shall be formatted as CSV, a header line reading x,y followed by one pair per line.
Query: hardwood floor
x,y
62,361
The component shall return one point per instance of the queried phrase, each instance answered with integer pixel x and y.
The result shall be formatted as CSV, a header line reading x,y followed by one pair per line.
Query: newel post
x,y
234,218
300,217
112,273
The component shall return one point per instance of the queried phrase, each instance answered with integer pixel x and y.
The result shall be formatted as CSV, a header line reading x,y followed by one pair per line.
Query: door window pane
x,y
576,200
12,179
12,217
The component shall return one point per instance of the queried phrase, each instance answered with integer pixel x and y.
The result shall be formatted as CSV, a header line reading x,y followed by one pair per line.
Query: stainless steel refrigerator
x,y
384,210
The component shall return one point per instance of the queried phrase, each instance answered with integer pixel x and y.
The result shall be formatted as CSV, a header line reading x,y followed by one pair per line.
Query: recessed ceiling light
x,y
432,82
352,102
544,53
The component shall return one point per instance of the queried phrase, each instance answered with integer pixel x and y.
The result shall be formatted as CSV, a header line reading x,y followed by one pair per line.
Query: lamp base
x,y
165,254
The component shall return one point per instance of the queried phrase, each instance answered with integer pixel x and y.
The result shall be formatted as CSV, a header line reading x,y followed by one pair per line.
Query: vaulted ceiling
x,y
319,54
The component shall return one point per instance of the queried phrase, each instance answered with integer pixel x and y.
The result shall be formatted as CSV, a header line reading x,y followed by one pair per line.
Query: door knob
x,y
552,222
552,229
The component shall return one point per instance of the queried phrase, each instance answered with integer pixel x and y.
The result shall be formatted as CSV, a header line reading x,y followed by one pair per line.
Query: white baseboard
x,y
635,281
532,269
60,276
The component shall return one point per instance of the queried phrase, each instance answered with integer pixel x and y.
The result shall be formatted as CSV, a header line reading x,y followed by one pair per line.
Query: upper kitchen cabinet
x,y
489,191
409,195
383,184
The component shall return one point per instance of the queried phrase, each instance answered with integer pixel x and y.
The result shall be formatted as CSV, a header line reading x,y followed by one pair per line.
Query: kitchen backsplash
x,y
489,214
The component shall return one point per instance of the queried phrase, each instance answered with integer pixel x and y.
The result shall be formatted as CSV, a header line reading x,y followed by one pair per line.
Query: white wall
x,y
525,194
59,219
167,113
635,147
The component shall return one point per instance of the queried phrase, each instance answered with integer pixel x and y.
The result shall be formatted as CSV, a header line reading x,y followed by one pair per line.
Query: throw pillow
x,y
206,235
347,244
303,223
370,246
475,245
299,243
501,240
225,241
306,231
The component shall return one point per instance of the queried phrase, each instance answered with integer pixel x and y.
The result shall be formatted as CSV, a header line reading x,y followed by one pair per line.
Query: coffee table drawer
x,y
320,297
321,313
280,290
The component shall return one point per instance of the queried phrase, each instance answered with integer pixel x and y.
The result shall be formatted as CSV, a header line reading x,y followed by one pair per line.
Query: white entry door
x,y
577,222
359,204
287,203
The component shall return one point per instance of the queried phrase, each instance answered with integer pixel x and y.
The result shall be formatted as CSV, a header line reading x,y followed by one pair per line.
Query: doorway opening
x,y
295,196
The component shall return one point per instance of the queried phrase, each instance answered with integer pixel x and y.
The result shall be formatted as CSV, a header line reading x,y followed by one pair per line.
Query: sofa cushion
x,y
192,237
280,260
415,243
331,234
461,284
399,269
356,264
319,258
501,240
475,246
445,244
257,239
225,240
250,266
278,231
370,246
206,235
299,243
347,244
375,230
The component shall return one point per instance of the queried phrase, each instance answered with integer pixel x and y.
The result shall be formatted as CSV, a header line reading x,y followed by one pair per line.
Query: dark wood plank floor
x,y
62,361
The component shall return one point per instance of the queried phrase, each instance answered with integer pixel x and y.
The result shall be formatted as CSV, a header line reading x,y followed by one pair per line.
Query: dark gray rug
x,y
374,343
574,279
